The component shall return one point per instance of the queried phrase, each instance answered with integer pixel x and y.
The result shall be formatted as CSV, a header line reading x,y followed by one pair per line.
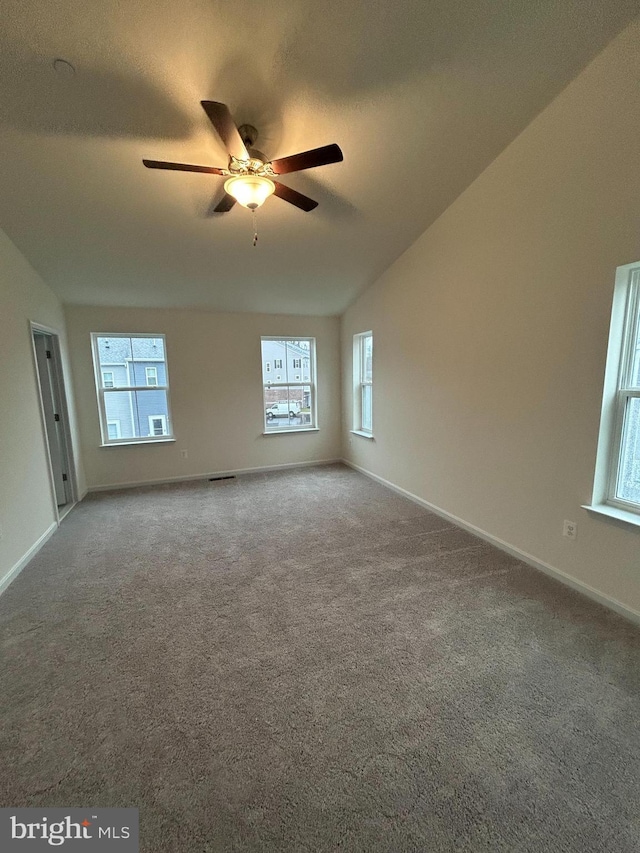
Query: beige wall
x,y
490,333
26,501
216,394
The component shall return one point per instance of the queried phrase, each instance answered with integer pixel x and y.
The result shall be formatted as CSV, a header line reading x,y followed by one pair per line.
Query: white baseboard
x,y
231,472
534,562
64,512
13,573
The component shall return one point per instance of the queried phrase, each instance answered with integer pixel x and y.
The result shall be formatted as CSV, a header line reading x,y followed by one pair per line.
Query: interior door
x,y
53,413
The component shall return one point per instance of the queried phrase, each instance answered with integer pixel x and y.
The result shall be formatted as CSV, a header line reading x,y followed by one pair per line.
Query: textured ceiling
x,y
421,97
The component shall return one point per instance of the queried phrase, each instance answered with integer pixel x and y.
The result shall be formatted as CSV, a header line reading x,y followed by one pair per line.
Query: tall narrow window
x,y
617,482
290,401
132,386
363,383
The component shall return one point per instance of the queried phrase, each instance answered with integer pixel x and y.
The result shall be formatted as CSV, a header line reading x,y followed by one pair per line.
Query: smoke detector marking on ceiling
x,y
63,68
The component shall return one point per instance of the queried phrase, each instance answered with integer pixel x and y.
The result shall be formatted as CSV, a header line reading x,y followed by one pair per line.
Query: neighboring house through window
x,y
617,481
132,387
290,400
157,424
363,383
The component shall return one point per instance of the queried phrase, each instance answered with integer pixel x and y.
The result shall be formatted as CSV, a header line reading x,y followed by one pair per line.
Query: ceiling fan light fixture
x,y
249,190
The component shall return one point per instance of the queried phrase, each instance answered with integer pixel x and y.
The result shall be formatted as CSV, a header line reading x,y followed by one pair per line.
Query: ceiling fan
x,y
250,176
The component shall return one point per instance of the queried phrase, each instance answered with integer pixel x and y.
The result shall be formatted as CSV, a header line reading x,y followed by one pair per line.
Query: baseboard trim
x,y
232,471
13,573
529,559
62,514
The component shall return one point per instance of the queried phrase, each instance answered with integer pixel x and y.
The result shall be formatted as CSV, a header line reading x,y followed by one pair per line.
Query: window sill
x,y
625,515
290,431
139,443
362,434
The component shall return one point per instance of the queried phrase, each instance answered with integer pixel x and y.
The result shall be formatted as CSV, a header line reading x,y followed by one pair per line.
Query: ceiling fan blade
x,y
226,203
308,159
294,197
184,167
220,118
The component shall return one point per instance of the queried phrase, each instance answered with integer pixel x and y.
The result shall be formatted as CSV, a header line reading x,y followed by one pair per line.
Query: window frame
x,y
360,382
101,390
111,373
618,391
310,383
155,376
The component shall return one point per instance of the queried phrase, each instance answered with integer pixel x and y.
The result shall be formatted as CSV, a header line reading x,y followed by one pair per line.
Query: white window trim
x,y
362,434
162,418
154,373
626,304
359,383
104,379
100,391
310,383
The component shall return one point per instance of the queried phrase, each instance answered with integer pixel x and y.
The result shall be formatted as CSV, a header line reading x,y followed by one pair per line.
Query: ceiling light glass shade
x,y
250,190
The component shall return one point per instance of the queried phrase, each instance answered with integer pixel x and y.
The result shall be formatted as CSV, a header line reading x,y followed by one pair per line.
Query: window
x,y
617,481
157,425
297,363
289,402
363,383
136,408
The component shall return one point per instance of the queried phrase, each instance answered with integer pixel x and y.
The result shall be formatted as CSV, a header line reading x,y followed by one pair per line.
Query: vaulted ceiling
x,y
421,96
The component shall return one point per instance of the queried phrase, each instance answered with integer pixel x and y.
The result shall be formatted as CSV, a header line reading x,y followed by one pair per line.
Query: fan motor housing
x,y
248,134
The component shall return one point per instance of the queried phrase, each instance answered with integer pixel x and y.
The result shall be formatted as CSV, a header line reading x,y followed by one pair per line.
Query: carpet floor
x,y
306,661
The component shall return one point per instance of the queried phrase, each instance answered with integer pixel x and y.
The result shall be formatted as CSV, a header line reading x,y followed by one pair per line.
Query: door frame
x,y
39,328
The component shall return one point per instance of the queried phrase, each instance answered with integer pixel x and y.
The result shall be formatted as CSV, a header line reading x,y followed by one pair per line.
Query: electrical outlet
x,y
570,529
184,454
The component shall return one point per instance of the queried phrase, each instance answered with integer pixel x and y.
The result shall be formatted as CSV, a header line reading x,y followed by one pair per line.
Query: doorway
x,y
46,346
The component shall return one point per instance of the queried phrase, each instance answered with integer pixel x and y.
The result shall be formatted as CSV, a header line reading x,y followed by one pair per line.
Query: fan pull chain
x,y
255,228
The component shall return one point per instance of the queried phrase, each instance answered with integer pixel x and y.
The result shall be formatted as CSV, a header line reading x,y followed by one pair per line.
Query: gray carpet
x,y
305,661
